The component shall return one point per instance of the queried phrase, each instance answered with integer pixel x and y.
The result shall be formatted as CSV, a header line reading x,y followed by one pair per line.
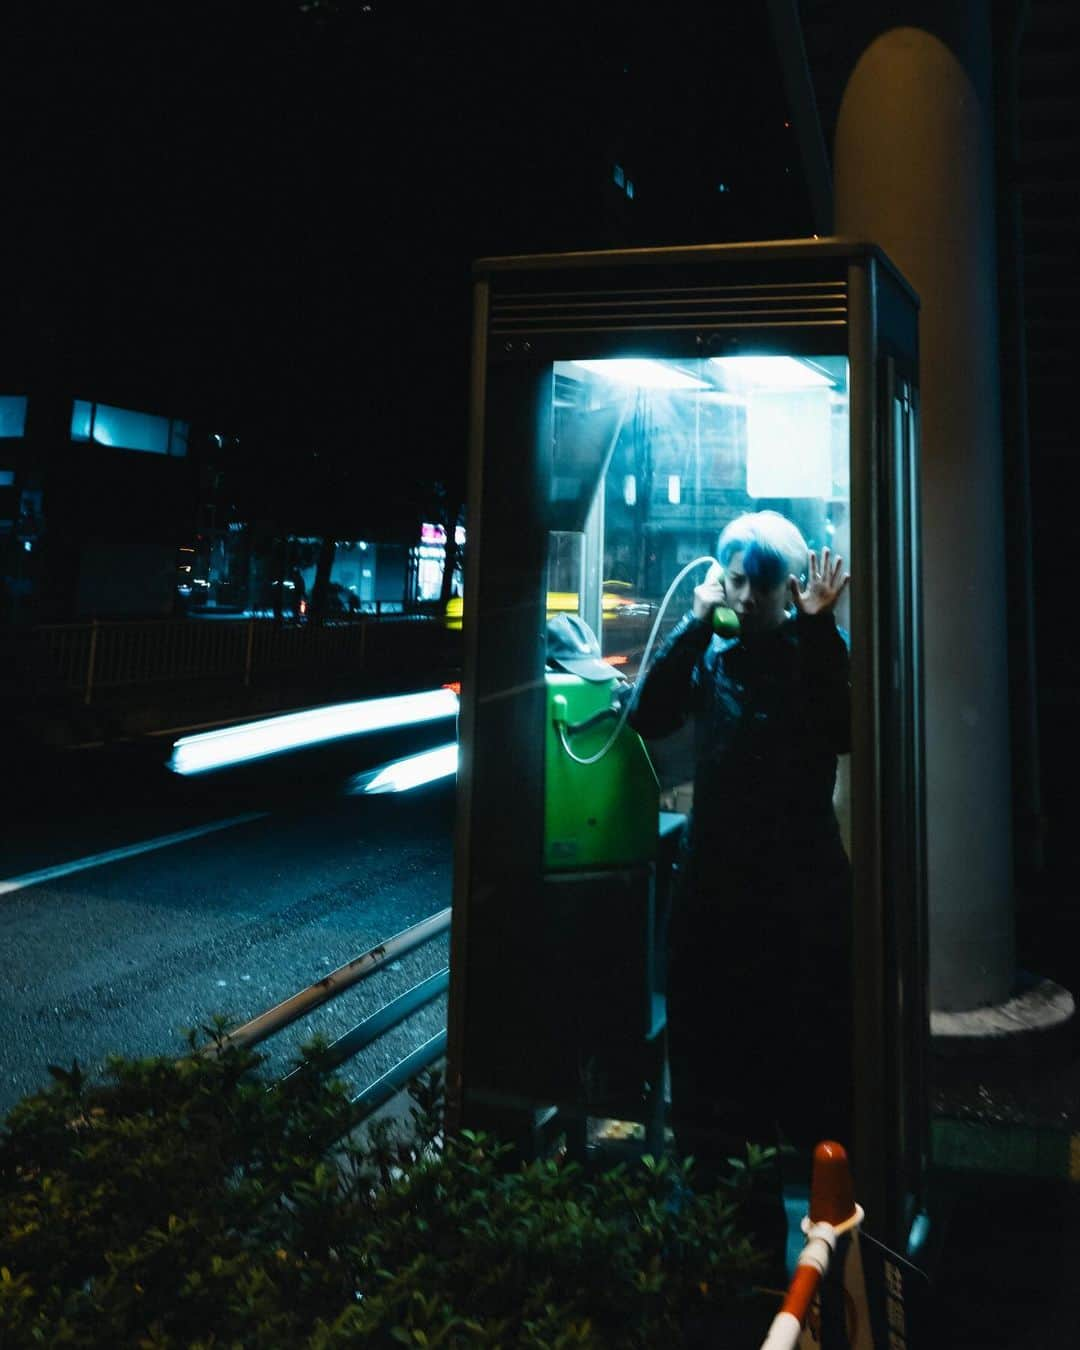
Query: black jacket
x,y
770,715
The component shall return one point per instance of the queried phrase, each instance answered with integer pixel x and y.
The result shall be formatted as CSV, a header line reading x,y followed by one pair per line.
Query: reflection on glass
x,y
699,443
688,449
565,565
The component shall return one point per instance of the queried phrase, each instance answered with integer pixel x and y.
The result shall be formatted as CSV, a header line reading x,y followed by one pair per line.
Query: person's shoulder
x,y
814,628
690,631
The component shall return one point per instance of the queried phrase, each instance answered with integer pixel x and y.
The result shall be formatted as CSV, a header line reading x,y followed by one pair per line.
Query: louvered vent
x,y
785,304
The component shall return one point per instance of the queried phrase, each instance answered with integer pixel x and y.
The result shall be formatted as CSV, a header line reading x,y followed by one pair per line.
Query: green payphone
x,y
598,812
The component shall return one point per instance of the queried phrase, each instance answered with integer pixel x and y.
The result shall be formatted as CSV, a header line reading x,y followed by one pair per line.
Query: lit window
x,y
12,414
126,429
178,438
82,417
129,430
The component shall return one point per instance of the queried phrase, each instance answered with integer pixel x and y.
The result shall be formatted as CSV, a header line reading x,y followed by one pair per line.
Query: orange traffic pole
x,y
833,1212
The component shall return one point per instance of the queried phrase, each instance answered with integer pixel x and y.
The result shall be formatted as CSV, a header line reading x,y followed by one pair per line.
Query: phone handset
x,y
725,621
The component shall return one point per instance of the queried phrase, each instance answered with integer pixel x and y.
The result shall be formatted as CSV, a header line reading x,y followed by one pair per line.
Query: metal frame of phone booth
x,y
521,950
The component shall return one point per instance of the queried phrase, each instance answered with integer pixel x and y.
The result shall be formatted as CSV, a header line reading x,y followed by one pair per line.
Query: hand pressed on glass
x,y
826,583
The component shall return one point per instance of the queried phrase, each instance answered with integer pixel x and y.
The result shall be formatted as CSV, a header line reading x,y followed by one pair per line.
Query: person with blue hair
x,y
759,1019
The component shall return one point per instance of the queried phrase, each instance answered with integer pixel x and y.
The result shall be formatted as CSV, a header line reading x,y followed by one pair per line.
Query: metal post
x,y
91,659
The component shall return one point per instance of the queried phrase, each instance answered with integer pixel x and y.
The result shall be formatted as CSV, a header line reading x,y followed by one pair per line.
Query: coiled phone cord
x,y
560,726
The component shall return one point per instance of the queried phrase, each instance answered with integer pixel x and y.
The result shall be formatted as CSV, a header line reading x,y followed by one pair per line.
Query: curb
x,y
1036,1020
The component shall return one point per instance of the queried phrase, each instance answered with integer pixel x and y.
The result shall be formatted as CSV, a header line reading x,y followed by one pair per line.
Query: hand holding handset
x,y
710,603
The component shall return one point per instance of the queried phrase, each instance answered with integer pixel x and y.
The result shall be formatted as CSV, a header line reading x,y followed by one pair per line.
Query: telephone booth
x,y
624,407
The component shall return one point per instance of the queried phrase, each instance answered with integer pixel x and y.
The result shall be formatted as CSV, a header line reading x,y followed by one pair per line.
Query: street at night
x,y
584,488
292,878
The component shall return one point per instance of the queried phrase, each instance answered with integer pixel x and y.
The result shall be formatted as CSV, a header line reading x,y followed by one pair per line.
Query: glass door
x,y
731,471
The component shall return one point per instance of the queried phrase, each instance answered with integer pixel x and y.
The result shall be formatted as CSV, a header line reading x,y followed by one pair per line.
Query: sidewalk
x,y
1006,1141
1006,1183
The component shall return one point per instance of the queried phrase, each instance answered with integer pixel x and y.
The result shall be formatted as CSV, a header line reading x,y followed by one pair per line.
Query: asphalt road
x,y
297,879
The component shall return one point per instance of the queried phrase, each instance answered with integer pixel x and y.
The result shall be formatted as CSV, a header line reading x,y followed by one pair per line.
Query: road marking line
x,y
128,851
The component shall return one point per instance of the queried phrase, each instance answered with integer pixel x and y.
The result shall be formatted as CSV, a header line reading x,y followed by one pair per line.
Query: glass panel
x,y
12,414
129,430
566,552
742,462
700,443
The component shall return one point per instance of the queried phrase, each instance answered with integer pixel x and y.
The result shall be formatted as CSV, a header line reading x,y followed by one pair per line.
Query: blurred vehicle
x,y
625,615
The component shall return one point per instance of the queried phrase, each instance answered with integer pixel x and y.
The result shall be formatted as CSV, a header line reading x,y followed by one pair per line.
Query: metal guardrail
x,y
322,991
378,1093
365,1032
109,654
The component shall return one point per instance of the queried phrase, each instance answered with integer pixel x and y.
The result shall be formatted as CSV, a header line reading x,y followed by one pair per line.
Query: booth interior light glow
x,y
774,372
641,373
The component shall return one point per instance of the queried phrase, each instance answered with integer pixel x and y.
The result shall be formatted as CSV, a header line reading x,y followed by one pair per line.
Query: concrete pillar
x,y
914,172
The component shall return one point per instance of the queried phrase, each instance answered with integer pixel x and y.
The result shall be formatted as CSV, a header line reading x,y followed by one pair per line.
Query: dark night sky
x,y
235,203
195,196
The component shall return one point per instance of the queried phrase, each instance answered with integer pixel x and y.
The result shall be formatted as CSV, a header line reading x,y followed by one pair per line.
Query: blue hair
x,y
772,547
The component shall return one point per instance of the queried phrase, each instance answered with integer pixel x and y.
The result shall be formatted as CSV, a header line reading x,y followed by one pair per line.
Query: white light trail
x,y
274,735
411,772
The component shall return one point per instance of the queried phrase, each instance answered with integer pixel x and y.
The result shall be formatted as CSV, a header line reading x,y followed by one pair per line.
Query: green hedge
x,y
184,1203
